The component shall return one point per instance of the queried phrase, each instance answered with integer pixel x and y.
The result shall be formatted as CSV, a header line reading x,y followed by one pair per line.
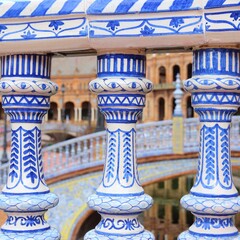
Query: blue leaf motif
x,y
56,24
13,166
127,167
2,28
146,31
28,35
210,153
29,157
235,15
111,156
176,22
113,25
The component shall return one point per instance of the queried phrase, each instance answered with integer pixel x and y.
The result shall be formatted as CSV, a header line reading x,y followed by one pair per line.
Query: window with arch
x,y
161,109
162,74
176,70
69,110
189,109
53,111
1,112
173,104
86,110
189,70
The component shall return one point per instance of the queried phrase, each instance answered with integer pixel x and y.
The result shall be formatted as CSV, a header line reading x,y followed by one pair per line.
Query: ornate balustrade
x,y
153,139
209,27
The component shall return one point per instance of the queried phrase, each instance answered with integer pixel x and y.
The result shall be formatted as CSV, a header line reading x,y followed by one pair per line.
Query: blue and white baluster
x,y
215,88
121,87
26,89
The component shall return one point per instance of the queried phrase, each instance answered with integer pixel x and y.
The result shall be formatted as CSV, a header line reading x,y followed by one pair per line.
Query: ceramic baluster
x,y
26,89
215,88
121,87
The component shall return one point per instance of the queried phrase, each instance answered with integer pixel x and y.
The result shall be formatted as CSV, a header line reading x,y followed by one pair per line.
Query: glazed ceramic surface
x,y
119,30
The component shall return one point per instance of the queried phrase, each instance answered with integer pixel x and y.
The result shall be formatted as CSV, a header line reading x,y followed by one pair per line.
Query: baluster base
x,y
214,217
93,235
49,234
188,236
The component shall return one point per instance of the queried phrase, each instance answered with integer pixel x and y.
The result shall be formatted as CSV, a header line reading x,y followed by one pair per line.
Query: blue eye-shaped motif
x,y
23,85
44,86
113,85
149,86
95,85
134,85
4,85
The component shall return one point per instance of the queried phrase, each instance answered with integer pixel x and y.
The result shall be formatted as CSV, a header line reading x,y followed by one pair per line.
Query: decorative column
x,y
121,87
178,132
80,114
26,89
59,111
75,114
92,114
215,88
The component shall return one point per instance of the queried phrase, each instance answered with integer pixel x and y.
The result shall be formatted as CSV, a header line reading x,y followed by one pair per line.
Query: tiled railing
x,y
153,139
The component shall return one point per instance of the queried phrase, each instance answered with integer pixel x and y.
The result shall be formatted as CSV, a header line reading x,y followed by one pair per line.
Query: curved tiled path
x,y
73,192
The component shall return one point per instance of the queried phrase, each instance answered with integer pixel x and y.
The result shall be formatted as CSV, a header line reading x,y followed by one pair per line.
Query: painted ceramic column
x,y
215,88
26,91
121,87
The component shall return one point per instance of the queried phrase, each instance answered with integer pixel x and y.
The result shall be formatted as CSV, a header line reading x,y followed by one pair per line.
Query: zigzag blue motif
x,y
210,146
13,172
225,155
111,156
127,151
29,155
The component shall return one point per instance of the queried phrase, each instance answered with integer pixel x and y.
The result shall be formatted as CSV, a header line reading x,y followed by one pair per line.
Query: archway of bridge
x,y
73,192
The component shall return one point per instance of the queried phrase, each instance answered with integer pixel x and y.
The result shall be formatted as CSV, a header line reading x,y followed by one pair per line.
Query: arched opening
x,y
176,70
89,224
173,104
162,75
86,110
190,112
189,70
53,111
161,109
69,111
1,112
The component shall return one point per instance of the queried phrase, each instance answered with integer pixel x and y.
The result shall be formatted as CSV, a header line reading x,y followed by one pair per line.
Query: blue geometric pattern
x,y
25,101
216,61
222,3
26,65
121,64
222,21
121,115
107,100
111,160
216,98
215,92
146,27
31,8
12,9
132,6
25,165
25,115
44,30
214,172
112,173
49,234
